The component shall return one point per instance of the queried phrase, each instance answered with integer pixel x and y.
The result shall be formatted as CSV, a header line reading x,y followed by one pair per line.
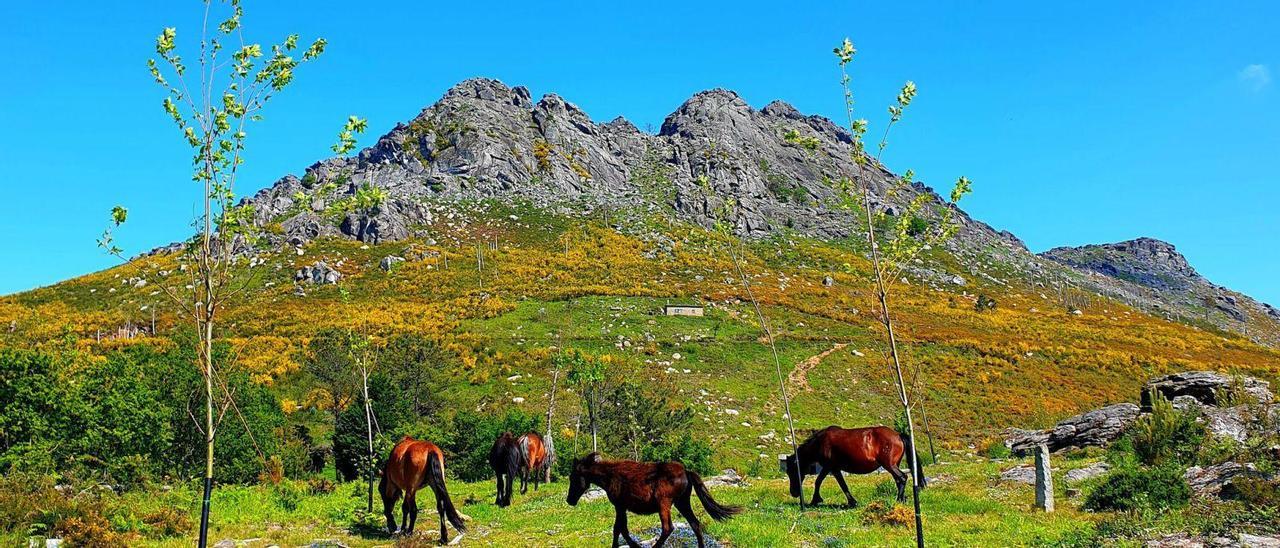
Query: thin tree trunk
x,y
368,421
551,409
882,294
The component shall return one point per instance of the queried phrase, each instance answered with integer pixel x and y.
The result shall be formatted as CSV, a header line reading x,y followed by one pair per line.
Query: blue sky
x,y
1079,122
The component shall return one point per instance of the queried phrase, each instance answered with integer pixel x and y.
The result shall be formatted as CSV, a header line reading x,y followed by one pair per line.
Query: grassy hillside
x,y
555,281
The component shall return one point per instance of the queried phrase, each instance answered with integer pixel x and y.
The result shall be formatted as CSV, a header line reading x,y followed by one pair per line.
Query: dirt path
x,y
800,375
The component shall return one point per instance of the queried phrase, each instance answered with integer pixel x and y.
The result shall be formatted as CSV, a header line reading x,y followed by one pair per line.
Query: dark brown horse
x,y
834,450
507,460
535,460
412,464
645,488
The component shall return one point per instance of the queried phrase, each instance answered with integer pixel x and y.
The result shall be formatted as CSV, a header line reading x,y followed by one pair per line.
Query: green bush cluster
x,y
1133,488
125,419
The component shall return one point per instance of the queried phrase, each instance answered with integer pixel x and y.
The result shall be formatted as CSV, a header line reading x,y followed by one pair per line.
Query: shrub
x,y
351,436
892,515
694,454
1132,488
91,530
288,495
321,486
1166,434
1255,492
996,449
166,522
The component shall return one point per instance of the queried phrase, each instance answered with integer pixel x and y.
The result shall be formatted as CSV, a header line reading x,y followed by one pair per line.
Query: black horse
x,y
506,459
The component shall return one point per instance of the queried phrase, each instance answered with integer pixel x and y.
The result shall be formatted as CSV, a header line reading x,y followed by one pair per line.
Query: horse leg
x,y
853,503
497,500
900,478
686,510
620,528
410,512
817,487
524,481
390,493
664,512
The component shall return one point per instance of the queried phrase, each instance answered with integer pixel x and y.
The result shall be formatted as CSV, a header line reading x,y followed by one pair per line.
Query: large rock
x,y
318,273
1097,428
1022,473
728,478
1218,480
1203,386
1088,472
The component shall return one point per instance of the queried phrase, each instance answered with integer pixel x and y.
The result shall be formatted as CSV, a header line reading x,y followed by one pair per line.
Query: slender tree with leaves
x,y
212,99
897,245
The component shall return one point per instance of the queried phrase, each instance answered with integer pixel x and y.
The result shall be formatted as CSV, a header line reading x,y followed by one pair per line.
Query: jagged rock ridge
x,y
483,139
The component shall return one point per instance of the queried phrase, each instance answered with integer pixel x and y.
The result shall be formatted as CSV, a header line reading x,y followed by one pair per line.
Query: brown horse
x,y
535,460
507,460
412,464
645,488
858,451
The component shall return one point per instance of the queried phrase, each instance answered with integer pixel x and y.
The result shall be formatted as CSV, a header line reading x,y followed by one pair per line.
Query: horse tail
x,y
907,446
435,479
717,511
525,461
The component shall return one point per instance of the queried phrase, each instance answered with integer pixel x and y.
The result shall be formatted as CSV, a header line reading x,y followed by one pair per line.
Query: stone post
x,y
1044,479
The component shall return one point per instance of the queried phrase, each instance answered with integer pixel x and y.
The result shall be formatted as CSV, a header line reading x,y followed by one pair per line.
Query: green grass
x,y
964,506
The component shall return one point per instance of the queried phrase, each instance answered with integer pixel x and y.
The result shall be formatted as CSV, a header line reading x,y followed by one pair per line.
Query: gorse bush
x,y
1132,488
1166,435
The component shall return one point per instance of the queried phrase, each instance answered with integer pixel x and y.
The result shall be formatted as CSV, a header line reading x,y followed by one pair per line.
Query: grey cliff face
x,y
485,140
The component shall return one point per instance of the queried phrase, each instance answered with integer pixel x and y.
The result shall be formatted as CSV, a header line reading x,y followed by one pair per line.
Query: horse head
x,y
579,481
794,475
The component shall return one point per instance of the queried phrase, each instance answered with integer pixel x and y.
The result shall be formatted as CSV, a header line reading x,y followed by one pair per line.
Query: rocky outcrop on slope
x,y
1097,428
484,139
1151,274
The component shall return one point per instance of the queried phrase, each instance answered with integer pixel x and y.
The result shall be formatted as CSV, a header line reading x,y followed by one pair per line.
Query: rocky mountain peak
x,y
488,89
1145,261
707,110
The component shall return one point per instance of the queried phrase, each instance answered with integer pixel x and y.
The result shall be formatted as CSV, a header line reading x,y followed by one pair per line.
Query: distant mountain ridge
x,y
1158,266
484,139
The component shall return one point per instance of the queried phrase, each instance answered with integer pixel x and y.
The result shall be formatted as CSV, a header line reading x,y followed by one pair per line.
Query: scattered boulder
x,y
594,494
389,262
1022,473
1185,540
318,273
728,478
1217,480
1092,471
1098,428
1203,386
828,281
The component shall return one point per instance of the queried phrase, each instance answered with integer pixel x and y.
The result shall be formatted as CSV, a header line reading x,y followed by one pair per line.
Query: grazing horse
x,y
535,460
857,451
507,461
645,488
414,463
